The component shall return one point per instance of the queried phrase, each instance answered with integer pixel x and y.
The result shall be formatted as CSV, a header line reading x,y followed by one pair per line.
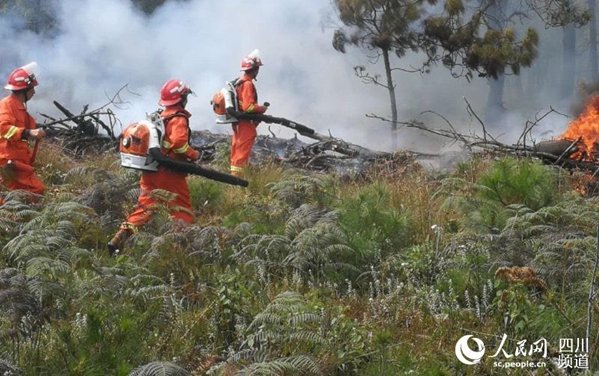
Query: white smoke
x,y
103,44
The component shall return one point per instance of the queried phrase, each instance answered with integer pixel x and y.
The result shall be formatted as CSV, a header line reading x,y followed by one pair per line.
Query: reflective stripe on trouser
x,y
244,134
21,175
129,227
180,207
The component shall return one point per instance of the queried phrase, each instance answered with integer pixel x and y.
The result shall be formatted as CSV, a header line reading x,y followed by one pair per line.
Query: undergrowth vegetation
x,y
299,274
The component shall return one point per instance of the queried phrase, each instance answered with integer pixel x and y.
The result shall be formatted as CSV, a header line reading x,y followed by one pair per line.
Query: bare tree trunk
x,y
568,61
494,109
37,15
593,41
391,88
518,83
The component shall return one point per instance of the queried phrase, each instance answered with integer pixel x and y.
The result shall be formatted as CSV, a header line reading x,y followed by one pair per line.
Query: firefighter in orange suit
x,y
17,127
173,97
244,131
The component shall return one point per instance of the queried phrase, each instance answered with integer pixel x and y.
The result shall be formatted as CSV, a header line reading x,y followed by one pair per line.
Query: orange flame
x,y
585,127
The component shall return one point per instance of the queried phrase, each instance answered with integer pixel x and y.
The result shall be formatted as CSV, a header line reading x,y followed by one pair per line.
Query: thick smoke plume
x,y
101,45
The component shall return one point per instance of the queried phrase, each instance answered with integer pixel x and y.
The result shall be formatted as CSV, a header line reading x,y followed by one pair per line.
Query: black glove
x,y
266,104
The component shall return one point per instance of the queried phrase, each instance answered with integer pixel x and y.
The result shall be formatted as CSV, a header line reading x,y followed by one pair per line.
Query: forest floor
x,y
301,273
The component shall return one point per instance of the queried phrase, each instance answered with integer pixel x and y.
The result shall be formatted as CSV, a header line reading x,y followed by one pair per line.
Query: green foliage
x,y
36,15
380,24
464,42
559,241
486,205
454,7
264,214
202,296
373,227
106,192
513,181
44,245
517,308
312,244
298,189
205,194
159,369
289,337
7,369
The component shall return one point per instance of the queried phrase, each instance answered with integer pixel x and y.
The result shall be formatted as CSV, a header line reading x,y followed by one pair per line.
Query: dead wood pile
x,y
324,156
565,153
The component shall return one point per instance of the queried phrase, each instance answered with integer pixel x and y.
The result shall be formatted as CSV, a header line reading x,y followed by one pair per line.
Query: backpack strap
x,y
167,119
236,81
240,81
176,114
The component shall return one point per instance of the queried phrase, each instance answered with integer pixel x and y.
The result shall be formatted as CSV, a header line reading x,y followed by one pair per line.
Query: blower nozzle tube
x,y
194,169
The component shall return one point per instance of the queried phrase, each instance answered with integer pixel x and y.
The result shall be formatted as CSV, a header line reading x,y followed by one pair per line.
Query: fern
x,y
297,189
312,242
295,365
159,369
20,302
45,244
278,339
109,193
7,369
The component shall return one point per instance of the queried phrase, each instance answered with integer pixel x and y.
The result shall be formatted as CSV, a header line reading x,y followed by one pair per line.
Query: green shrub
x,y
516,181
205,194
372,226
487,205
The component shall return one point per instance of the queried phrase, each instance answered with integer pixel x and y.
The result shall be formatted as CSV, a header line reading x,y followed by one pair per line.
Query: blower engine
x,y
224,103
225,106
140,150
138,139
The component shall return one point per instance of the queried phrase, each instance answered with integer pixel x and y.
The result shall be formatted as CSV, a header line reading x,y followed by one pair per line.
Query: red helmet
x,y
251,61
22,78
173,92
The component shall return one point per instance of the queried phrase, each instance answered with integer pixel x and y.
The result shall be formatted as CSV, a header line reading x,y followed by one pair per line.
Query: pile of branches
x,y
91,131
329,155
556,152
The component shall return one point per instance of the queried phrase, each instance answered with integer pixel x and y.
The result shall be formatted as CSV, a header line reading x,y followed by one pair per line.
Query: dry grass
x,y
51,154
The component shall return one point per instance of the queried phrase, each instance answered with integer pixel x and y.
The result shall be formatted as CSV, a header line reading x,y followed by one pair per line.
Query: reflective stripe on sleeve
x,y
11,132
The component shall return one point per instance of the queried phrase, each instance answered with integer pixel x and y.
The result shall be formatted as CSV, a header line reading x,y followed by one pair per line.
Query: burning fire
x,y
585,128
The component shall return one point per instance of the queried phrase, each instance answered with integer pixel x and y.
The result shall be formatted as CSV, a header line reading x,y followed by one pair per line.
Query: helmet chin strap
x,y
22,95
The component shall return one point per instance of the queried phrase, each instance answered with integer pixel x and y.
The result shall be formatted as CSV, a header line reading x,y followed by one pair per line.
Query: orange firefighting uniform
x,y
244,131
175,145
14,125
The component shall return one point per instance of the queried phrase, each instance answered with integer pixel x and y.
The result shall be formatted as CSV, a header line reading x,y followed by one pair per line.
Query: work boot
x,y
117,240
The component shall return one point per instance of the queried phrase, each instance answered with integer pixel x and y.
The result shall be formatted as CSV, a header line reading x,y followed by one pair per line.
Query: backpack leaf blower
x,y
140,150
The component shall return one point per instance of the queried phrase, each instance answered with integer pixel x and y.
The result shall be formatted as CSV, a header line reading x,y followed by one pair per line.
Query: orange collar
x,y
171,110
16,102
246,77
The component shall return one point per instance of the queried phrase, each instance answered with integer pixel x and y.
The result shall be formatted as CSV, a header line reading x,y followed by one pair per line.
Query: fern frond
x,y
159,369
8,369
307,337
